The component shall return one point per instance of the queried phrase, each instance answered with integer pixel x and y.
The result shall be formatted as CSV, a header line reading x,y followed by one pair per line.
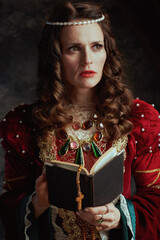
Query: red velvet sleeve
x,y
17,138
146,170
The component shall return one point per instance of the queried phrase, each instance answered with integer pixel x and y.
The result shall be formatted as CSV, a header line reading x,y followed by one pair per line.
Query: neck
x,y
82,97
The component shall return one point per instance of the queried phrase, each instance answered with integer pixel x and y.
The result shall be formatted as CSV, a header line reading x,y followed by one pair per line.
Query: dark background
x,y
135,24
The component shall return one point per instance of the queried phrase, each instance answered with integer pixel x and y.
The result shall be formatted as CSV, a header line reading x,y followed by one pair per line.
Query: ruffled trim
x,y
27,221
125,209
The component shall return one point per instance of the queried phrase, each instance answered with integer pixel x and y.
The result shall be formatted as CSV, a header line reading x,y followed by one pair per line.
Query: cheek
x,y
69,64
100,60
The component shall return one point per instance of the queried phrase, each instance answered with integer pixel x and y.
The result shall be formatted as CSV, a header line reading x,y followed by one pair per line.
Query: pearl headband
x,y
76,23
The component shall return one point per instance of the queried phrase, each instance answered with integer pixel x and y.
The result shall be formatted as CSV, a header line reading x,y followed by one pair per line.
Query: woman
x,y
80,82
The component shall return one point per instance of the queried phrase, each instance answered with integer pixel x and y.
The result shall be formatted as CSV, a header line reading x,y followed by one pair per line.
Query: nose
x,y
87,57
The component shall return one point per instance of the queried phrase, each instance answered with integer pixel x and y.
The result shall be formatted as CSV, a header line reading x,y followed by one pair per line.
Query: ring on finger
x,y
99,221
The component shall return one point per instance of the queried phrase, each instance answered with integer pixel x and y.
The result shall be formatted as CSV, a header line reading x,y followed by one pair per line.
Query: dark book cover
x,y
98,189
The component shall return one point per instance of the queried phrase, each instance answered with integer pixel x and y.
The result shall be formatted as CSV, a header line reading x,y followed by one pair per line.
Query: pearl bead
x,y
17,136
137,105
23,151
150,151
150,147
24,110
142,115
142,129
20,122
4,120
136,142
153,105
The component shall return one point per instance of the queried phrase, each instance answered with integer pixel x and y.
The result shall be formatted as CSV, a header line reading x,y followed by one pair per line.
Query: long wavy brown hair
x,y
114,98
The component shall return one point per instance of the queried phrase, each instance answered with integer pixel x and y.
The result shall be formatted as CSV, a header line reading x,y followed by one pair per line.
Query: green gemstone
x,y
97,152
79,157
64,148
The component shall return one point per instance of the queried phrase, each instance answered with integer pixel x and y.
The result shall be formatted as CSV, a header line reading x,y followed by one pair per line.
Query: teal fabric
x,y
124,232
133,216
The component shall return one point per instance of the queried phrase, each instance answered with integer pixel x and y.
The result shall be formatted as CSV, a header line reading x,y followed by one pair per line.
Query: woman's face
x,y
83,55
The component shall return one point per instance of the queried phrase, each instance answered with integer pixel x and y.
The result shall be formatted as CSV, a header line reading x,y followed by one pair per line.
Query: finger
x,y
44,171
110,207
97,210
40,179
90,218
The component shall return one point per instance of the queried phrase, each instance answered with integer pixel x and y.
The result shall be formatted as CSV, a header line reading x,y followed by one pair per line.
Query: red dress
x,y
23,166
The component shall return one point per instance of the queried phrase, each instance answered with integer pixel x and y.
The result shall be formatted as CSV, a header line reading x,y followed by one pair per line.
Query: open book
x,y
100,186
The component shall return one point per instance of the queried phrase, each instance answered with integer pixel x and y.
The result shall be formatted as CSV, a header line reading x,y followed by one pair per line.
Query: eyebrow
x,y
80,44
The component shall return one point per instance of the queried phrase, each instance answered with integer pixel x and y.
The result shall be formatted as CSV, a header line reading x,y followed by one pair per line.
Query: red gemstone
x,y
62,134
88,124
76,126
97,136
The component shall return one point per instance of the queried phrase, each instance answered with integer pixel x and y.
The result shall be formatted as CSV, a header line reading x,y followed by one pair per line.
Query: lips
x,y
88,74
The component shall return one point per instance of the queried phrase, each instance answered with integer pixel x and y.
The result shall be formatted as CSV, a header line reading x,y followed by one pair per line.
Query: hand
x,y
103,217
40,200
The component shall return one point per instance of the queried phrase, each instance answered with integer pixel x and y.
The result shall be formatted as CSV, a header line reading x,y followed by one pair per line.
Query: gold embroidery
x,y
16,179
10,180
46,153
121,144
73,225
150,171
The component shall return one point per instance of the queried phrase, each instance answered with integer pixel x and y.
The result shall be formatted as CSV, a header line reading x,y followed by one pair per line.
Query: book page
x,y
69,166
105,158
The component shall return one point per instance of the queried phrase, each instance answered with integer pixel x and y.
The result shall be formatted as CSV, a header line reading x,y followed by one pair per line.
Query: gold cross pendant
x,y
79,200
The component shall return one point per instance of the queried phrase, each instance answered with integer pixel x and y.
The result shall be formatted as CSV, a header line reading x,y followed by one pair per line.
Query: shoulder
x,y
19,116
146,125
144,110
16,125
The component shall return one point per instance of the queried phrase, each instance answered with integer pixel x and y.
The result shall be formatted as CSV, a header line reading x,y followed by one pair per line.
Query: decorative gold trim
x,y
73,225
121,144
16,179
150,171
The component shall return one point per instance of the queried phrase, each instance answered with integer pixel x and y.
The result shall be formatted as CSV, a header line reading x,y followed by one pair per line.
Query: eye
x,y
98,46
74,49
